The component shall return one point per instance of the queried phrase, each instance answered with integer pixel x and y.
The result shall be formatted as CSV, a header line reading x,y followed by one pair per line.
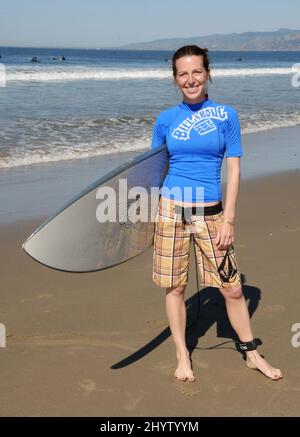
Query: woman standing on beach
x,y
199,133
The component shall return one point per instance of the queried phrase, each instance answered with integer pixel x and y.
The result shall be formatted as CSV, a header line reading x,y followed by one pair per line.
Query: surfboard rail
x,y
73,240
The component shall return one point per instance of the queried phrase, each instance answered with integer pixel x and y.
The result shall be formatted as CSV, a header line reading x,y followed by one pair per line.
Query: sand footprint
x,y
187,391
88,386
133,401
45,296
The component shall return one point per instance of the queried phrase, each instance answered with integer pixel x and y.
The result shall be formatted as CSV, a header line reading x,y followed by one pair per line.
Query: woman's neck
x,y
196,101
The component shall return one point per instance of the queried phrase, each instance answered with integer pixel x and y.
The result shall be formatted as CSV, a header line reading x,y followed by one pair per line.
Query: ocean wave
x,y
78,74
68,149
258,126
27,157
84,74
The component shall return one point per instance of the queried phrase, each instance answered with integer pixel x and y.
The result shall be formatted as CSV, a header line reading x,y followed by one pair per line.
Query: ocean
x,y
101,102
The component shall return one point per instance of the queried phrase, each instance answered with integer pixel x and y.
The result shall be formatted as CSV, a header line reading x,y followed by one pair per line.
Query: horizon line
x,y
128,49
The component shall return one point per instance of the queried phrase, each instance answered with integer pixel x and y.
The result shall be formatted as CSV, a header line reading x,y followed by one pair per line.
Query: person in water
x,y
198,133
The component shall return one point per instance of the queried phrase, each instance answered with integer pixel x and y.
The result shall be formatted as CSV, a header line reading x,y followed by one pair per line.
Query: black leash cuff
x,y
248,345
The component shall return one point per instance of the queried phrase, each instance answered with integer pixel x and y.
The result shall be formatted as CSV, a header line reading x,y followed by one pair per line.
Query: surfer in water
x,y
198,133
35,59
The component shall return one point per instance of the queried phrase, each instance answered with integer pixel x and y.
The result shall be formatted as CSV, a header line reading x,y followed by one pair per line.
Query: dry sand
x,y
98,344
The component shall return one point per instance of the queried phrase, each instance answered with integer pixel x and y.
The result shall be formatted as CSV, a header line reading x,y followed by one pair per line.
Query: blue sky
x,y
109,23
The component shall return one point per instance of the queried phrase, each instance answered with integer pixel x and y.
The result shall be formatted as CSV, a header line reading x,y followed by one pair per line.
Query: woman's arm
x,y
232,187
225,236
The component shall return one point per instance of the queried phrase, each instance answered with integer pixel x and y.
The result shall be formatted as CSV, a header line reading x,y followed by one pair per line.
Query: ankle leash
x,y
248,345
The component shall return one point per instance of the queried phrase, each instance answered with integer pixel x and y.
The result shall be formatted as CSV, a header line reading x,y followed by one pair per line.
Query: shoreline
x,y
39,190
248,139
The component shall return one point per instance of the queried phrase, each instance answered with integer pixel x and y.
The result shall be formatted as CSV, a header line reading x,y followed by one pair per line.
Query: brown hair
x,y
190,51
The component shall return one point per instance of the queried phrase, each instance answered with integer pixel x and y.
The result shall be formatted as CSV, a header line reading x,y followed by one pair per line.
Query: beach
x,y
98,344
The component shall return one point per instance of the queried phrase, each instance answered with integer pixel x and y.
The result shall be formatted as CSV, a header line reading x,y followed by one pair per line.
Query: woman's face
x,y
191,78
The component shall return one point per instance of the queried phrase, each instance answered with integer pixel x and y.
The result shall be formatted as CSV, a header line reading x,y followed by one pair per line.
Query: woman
x,y
199,133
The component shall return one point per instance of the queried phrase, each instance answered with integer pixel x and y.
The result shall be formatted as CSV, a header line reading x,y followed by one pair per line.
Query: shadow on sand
x,y
204,309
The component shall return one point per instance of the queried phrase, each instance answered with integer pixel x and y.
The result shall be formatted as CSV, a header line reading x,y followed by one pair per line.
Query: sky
x,y
112,23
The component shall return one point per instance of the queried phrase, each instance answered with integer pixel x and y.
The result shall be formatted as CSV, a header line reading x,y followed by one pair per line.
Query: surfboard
x,y
84,236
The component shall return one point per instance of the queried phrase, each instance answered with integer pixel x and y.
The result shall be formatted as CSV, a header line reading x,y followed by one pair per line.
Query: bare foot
x,y
257,362
184,371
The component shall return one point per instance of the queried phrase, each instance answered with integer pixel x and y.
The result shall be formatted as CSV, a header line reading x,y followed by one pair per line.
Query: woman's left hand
x,y
225,236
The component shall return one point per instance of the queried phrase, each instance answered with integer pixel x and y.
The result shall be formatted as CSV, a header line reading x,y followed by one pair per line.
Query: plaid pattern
x,y
172,241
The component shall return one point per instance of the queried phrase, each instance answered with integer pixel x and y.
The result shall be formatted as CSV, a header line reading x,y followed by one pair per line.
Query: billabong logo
x,y
201,121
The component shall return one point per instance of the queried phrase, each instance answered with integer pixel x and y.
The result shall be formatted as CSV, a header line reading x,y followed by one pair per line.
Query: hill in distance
x,y
282,39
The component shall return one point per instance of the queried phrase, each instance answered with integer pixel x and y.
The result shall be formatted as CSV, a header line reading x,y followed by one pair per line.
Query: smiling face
x,y
191,78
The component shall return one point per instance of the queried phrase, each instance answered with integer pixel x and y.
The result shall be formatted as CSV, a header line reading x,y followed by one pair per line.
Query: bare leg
x,y
176,312
238,315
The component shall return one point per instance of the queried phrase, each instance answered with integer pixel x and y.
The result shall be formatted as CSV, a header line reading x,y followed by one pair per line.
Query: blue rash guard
x,y
198,137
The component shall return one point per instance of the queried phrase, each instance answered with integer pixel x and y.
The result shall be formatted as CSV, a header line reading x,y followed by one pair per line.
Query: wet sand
x,y
98,344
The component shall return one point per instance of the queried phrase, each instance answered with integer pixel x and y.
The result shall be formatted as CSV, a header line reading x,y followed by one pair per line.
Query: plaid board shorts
x,y
172,241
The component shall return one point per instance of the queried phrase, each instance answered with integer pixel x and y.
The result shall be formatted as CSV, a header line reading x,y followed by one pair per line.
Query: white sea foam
x,y
23,156
258,126
51,75
235,72
42,74
54,154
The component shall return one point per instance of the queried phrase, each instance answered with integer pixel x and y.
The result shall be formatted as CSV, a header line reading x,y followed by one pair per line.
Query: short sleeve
x,y
159,134
232,134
